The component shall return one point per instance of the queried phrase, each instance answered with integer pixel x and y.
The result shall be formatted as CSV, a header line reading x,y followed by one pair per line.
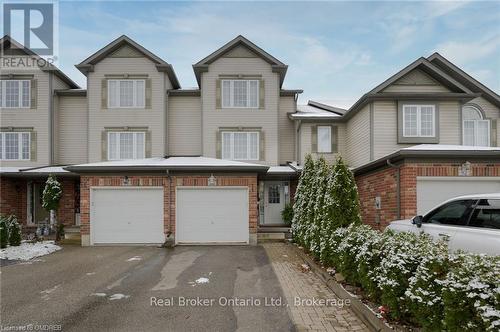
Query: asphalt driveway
x,y
197,288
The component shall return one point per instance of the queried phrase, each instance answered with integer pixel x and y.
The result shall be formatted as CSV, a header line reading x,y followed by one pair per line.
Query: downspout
x,y
51,120
297,142
169,241
398,187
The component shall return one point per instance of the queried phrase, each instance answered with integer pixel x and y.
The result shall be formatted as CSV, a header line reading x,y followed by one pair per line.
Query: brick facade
x,y
169,184
383,183
14,199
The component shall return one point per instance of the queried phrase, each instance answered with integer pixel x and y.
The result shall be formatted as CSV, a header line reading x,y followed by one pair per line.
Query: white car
x,y
470,223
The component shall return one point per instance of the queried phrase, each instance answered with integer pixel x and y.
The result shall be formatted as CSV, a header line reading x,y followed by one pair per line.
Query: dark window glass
x,y
274,194
454,213
486,214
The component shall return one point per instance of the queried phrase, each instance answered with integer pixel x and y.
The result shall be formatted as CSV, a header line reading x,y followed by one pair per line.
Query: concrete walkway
x,y
313,306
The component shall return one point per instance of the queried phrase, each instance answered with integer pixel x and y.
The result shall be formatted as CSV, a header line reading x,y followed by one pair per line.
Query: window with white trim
x,y
419,121
15,145
126,145
240,93
126,93
240,145
15,93
475,129
324,139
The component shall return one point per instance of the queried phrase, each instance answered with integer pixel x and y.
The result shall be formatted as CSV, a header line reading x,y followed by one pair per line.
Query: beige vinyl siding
x,y
153,119
266,119
385,128
37,118
58,84
416,81
358,138
286,130
449,123
306,144
71,130
184,125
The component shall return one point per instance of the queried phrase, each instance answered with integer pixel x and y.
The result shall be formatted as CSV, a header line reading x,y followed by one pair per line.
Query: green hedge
x,y
417,279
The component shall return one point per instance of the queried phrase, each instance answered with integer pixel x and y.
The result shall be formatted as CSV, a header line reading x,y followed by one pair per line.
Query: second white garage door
x,y
432,191
127,215
212,215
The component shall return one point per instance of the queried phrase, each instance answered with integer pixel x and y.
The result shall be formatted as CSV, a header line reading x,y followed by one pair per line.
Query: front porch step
x,y
72,233
273,229
271,237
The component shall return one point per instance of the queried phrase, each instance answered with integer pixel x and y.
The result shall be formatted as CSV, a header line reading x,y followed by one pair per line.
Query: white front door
x,y
127,215
212,215
274,200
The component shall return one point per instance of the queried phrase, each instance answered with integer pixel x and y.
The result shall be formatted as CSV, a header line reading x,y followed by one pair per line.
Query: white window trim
x,y
329,145
476,122
231,94
134,97
419,120
231,157
20,87
19,145
134,144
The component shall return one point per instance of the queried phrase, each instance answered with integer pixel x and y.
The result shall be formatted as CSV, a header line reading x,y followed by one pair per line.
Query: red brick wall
x,y
169,186
66,211
383,183
13,198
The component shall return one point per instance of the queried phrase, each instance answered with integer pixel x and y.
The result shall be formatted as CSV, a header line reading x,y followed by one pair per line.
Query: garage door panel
x,y
431,191
131,215
212,215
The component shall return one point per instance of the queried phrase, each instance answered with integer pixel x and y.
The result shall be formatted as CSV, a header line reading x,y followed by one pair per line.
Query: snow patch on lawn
x,y
90,273
118,296
27,251
98,294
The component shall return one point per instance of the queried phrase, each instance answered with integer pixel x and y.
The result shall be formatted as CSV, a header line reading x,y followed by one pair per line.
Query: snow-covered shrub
x,y
52,194
4,232
319,211
302,194
471,293
401,255
330,243
424,292
14,231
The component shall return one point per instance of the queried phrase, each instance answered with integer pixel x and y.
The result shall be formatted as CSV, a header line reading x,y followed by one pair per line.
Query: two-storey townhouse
x,y
29,122
156,162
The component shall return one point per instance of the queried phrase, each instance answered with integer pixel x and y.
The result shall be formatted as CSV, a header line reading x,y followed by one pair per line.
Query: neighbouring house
x,y
143,160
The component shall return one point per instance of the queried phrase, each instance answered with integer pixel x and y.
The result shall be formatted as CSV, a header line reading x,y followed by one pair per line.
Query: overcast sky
x,y
336,51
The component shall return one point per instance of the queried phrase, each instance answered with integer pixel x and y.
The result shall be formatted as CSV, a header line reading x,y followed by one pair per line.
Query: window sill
x,y
239,108
418,140
16,108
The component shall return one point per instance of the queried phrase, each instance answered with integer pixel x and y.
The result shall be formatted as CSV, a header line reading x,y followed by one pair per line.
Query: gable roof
x,y
440,61
277,66
459,90
87,65
7,41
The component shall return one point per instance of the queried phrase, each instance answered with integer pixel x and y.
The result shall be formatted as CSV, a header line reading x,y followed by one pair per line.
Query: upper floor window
x,y
126,145
419,121
15,93
324,139
15,145
126,93
240,145
476,130
240,93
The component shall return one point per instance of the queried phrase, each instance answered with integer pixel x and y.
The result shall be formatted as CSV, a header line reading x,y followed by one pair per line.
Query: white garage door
x,y
432,191
128,215
217,215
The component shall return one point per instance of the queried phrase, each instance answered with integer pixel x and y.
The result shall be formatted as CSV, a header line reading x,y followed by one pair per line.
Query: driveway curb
x,y
358,307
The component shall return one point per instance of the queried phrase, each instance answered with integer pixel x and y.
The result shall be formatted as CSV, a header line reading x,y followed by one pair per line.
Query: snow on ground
x,y
118,296
27,251
135,258
202,280
98,294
